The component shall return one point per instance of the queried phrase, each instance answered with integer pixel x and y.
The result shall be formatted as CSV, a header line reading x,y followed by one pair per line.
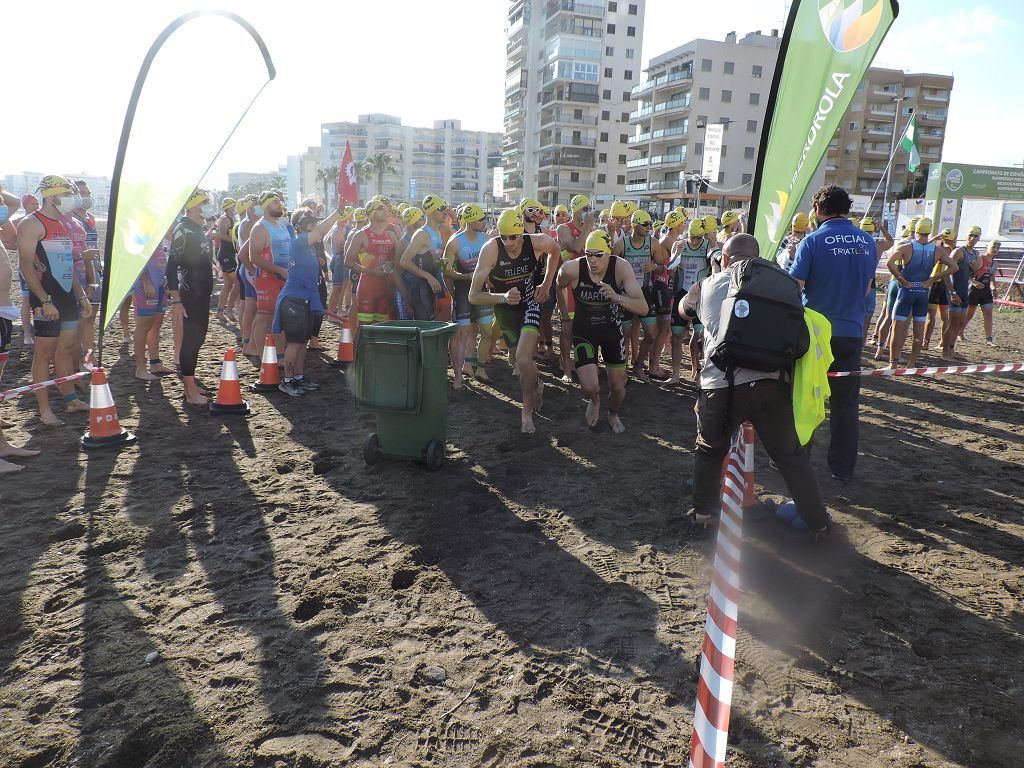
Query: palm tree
x,y
381,164
329,177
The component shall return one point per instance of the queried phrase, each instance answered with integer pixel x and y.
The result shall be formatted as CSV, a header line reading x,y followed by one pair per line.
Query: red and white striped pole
x,y
714,685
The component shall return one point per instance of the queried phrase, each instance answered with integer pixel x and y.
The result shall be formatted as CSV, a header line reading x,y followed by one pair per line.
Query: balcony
x,y
678,159
873,152
929,137
890,113
667,185
584,9
659,81
875,172
935,96
562,118
637,114
579,98
638,138
879,131
670,106
570,158
432,150
640,162
638,187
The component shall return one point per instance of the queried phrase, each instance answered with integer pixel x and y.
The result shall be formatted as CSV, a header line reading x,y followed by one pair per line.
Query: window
x,y
751,126
602,157
606,94
630,31
574,176
705,65
629,53
626,96
629,74
756,71
632,9
621,179
604,136
606,115
724,148
622,159
577,114
611,29
755,99
730,67
582,71
600,178
748,153
623,138
747,178
613,7
607,71
704,94
698,148
609,50
625,117
854,126
726,96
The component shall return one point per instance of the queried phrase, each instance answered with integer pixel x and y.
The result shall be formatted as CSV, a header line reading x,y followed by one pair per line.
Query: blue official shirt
x,y
836,263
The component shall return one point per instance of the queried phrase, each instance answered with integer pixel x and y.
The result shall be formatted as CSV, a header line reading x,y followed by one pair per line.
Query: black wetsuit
x,y
598,321
190,273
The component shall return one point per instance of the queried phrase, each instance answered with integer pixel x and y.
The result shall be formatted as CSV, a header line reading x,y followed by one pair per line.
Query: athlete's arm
x,y
690,303
619,247
569,274
547,245
323,228
259,240
633,300
224,228
448,261
657,252
478,293
419,243
899,256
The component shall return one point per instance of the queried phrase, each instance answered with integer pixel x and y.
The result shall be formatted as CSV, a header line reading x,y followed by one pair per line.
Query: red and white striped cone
x,y
105,431
270,374
345,349
714,686
229,395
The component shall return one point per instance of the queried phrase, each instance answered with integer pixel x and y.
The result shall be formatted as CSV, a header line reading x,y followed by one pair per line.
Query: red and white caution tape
x,y
714,686
1006,303
977,368
11,394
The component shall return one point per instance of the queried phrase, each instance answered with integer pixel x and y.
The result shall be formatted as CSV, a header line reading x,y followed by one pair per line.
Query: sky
x,y
420,61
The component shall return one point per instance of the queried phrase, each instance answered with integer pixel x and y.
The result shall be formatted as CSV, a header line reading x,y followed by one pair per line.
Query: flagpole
x,y
885,176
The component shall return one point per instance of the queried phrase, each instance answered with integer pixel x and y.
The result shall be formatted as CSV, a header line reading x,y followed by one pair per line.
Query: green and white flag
x,y
909,145
827,47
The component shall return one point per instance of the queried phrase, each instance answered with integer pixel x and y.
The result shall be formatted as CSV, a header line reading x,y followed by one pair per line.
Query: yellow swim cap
x,y
729,218
598,240
411,215
268,196
196,198
578,203
244,204
605,213
619,209
696,228
471,212
800,222
867,224
631,207
674,219
227,202
947,234
510,222
710,224
54,185
360,214
923,227
640,219
432,203
975,230
561,209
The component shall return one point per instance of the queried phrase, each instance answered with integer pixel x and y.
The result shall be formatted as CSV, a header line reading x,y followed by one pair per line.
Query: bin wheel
x,y
435,455
371,449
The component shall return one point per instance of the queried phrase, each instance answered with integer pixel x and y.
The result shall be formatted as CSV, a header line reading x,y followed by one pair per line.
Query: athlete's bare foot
x,y
8,451
515,371
160,370
528,428
467,369
538,397
231,316
593,412
924,347
878,353
615,423
950,358
76,406
481,375
251,352
566,378
49,419
143,375
457,383
6,466
671,380
200,401
959,357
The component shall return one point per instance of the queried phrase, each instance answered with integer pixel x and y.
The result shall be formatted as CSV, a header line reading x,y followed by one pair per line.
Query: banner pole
x,y
892,154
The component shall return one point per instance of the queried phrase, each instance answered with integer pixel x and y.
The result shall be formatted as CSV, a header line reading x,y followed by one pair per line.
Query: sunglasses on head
x,y
510,238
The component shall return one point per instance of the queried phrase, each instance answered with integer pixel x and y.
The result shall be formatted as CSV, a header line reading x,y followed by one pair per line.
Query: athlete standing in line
x,y
644,256
572,239
958,284
247,274
371,252
227,259
601,283
511,262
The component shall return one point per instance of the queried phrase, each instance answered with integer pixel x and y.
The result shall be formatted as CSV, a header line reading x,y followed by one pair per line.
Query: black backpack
x,y
762,321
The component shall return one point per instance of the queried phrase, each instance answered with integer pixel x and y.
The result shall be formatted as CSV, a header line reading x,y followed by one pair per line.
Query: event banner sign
x,y
990,181
827,47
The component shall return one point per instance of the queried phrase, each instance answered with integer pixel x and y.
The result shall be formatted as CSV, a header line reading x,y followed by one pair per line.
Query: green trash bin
x,y
401,374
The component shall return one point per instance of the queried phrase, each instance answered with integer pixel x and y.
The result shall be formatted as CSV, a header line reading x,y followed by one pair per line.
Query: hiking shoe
x,y
290,388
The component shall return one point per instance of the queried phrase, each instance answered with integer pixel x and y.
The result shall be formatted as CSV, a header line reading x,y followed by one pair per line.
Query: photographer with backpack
x,y
835,265
754,332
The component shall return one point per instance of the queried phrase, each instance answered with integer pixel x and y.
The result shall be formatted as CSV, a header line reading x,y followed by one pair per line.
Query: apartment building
x,y
883,104
569,69
687,88
301,181
27,182
446,159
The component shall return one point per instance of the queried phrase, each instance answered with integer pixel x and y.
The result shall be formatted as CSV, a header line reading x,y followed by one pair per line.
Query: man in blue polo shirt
x,y
835,264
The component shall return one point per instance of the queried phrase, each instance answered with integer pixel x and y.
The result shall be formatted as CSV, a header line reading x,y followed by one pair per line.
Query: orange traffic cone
x,y
270,374
345,353
105,430
229,395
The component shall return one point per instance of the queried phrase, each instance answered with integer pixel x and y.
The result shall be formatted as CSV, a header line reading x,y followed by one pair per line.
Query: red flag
x,y
348,187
